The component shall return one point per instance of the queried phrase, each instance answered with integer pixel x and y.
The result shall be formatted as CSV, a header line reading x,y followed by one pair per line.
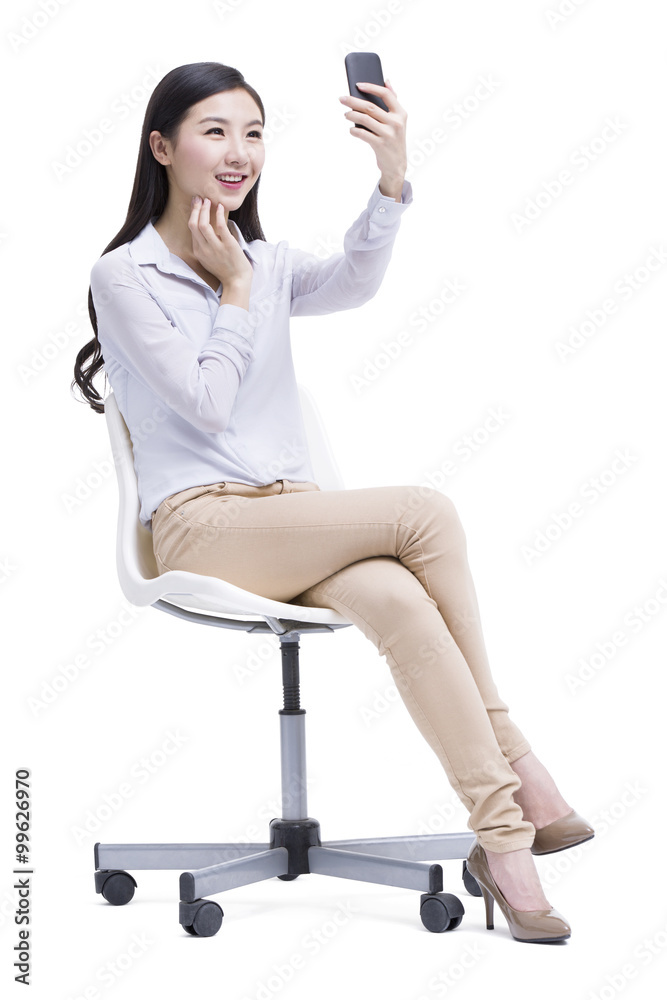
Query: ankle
x,y
538,797
515,874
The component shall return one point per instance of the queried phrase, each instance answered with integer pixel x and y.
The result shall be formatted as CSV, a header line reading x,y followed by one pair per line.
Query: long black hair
x,y
168,106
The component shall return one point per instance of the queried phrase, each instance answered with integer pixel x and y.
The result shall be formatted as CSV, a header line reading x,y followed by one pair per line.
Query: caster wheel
x,y
206,918
440,911
470,882
118,888
287,878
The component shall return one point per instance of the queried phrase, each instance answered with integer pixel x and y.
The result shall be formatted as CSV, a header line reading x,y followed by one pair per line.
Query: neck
x,y
172,226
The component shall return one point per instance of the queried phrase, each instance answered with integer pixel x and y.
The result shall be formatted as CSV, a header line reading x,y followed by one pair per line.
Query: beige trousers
x,y
392,560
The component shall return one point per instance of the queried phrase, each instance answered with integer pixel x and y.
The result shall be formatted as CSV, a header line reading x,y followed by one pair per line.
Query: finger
x,y
367,110
222,227
205,225
367,136
386,93
359,104
376,126
193,219
199,214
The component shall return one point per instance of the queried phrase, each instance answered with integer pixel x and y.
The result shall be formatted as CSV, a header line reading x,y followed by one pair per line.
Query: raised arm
x,y
348,279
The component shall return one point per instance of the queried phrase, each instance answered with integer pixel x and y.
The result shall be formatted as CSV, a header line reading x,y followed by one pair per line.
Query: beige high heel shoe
x,y
535,926
561,834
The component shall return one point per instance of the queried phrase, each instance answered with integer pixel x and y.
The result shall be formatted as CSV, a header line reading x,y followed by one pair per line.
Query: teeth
x,y
232,178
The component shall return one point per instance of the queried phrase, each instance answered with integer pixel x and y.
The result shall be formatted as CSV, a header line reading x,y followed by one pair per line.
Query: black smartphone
x,y
364,67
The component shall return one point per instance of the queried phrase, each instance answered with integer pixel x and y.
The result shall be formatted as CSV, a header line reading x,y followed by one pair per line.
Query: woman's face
x,y
219,159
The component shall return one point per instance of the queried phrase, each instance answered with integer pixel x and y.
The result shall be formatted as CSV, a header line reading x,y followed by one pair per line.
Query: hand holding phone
x,y
386,132
365,67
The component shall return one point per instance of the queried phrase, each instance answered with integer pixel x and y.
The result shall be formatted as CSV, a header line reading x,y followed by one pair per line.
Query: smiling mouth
x,y
231,180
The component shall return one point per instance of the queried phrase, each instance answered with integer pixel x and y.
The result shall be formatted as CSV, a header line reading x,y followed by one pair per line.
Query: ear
x,y
158,148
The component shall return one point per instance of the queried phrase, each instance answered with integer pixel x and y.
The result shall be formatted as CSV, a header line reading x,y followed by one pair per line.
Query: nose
x,y
236,152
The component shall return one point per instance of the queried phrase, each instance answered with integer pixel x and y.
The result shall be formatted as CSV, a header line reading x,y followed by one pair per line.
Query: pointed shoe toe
x,y
539,926
531,926
561,834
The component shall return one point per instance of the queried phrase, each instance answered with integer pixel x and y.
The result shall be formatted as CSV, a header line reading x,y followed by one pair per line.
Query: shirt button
x,y
381,208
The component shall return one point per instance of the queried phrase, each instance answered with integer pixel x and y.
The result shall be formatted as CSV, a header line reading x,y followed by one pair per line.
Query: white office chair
x,y
294,846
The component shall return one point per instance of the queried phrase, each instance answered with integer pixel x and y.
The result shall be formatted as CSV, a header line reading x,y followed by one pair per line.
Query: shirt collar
x,y
148,247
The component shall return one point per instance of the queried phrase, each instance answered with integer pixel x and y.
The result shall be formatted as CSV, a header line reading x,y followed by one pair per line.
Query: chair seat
x,y
214,596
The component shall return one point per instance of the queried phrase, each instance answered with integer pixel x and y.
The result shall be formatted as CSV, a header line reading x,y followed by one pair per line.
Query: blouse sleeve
x,y
199,385
348,279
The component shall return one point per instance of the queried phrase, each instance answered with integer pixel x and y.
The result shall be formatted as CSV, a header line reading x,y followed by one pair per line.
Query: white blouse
x,y
208,391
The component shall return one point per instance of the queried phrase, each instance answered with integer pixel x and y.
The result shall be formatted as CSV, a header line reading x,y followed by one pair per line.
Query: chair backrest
x,y
325,470
134,543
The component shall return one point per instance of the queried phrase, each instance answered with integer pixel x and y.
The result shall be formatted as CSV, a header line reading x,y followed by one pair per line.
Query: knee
x,y
430,505
382,590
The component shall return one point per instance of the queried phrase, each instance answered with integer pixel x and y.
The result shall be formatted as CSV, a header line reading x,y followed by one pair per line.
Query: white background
x,y
556,84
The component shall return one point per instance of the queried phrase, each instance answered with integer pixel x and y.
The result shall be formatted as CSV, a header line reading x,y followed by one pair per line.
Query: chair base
x,y
294,848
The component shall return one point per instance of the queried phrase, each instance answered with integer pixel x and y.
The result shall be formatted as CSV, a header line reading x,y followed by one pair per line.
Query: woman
x,y
190,307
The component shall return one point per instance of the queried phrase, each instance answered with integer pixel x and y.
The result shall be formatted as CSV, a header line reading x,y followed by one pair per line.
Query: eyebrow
x,y
225,121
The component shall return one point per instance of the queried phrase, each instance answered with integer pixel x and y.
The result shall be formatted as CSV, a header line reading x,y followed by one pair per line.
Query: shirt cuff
x,y
234,319
384,209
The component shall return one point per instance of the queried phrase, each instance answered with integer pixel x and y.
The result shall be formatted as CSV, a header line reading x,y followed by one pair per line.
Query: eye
x,y
255,133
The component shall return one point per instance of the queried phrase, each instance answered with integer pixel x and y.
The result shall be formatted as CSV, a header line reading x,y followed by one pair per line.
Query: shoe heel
x,y
488,906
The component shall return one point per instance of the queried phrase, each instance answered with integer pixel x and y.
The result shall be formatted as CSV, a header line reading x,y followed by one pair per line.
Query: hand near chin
x,y
214,246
